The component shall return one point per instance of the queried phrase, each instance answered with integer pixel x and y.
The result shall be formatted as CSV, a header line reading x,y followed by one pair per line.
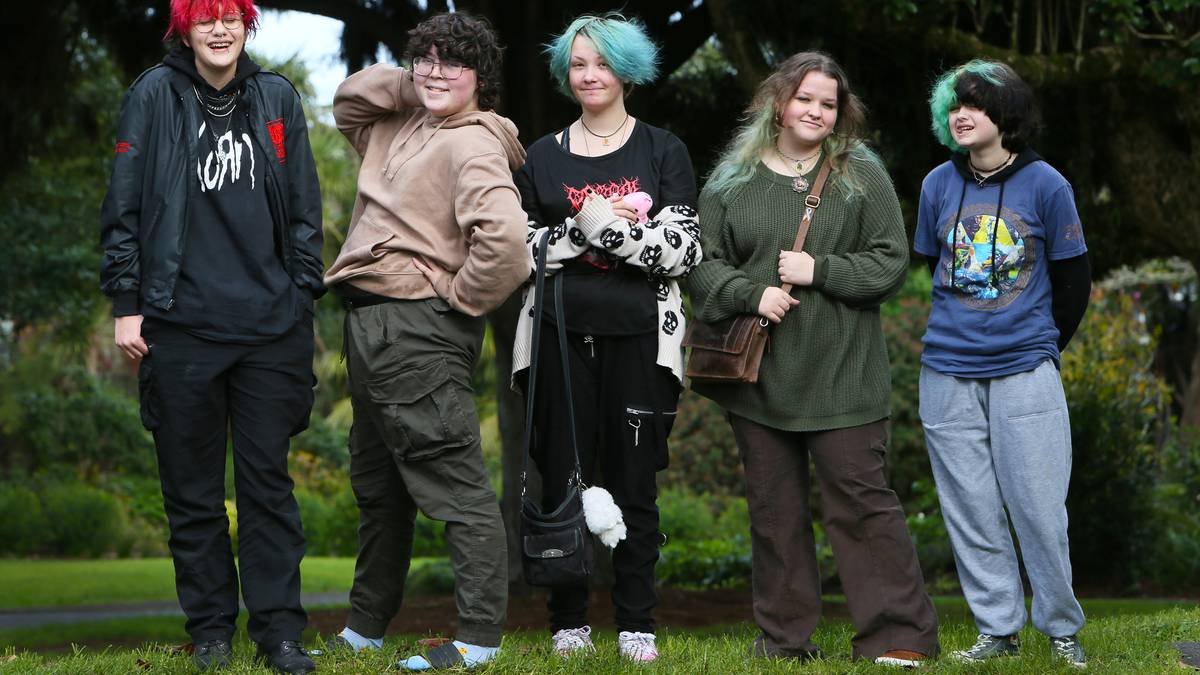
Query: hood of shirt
x,y
183,59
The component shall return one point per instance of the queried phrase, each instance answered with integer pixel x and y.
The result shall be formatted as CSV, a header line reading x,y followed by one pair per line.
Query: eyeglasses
x,y
230,21
451,70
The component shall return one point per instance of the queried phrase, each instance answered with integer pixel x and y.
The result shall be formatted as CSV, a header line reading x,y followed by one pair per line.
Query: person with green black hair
x,y
619,197
1002,237
824,385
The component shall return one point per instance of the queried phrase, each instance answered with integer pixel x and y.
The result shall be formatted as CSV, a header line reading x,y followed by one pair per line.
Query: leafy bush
x,y
22,522
1116,405
712,563
683,516
704,457
82,521
434,577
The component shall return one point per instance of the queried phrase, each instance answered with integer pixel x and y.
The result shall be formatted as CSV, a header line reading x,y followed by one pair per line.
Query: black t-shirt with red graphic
x,y
601,295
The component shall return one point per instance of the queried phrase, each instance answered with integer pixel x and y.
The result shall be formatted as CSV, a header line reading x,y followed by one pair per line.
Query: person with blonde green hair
x,y
824,387
618,197
1002,237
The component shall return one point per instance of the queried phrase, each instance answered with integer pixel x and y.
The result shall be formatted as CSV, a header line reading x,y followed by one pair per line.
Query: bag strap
x,y
811,202
539,292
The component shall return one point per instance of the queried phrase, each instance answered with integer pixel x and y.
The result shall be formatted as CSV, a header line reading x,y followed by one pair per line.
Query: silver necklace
x,y
218,106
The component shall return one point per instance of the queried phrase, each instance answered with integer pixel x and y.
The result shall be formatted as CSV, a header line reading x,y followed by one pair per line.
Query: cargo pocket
x,y
305,411
148,394
421,410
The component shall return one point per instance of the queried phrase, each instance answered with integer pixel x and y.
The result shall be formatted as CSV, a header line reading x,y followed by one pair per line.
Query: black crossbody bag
x,y
556,546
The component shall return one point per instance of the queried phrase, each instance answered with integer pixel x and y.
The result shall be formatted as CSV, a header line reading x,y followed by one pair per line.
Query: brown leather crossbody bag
x,y
731,350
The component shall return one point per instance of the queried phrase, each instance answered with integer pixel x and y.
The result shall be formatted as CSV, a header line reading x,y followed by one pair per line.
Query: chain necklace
x,y
604,138
981,175
218,106
799,183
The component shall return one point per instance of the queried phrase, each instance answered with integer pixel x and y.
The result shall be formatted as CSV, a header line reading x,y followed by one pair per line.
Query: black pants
x,y
192,391
624,409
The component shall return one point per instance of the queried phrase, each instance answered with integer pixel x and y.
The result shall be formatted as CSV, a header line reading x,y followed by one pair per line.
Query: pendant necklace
x,y
218,106
604,138
799,183
981,175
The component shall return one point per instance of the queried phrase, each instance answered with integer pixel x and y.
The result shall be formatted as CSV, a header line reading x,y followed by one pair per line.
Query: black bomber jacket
x,y
145,213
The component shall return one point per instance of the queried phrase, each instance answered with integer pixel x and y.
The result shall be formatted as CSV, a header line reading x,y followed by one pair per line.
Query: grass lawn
x,y
62,583
1122,636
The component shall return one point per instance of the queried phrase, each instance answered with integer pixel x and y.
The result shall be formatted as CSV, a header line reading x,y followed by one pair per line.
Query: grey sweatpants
x,y
996,443
415,445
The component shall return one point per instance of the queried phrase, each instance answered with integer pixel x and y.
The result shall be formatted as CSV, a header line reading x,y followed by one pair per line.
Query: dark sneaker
x,y
212,655
286,657
1069,651
901,658
989,647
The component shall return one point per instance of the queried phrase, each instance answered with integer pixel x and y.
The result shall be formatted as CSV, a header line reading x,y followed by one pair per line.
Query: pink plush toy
x,y
641,203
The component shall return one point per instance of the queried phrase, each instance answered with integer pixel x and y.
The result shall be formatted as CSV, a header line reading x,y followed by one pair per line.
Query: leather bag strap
x,y
811,202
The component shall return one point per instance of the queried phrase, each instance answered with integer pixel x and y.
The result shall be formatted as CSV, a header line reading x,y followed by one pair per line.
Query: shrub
x,y
82,520
713,563
22,522
434,577
684,516
704,457
1116,405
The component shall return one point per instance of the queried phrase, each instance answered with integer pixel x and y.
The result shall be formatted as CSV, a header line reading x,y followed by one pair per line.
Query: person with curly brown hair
x,y
436,241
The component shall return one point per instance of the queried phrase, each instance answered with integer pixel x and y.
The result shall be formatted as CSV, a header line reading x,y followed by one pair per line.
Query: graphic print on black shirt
x,y
553,184
232,286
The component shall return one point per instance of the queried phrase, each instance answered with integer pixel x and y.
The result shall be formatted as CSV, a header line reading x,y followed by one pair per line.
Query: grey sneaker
x,y
1069,651
989,647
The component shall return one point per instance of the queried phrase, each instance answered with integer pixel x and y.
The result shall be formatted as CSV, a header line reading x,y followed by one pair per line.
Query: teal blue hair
x,y
943,98
623,43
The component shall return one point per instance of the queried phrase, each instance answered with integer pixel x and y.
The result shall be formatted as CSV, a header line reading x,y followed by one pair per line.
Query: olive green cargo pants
x,y
415,445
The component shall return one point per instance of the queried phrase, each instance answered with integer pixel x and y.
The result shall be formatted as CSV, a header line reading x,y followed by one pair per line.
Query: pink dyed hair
x,y
186,12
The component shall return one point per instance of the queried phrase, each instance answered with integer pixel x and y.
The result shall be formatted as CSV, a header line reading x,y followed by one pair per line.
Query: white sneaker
x,y
571,640
637,646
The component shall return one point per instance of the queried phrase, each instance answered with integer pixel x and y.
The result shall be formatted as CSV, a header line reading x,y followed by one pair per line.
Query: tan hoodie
x,y
438,190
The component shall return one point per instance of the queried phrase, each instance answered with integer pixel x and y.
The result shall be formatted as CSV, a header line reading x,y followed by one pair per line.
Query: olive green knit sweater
x,y
826,366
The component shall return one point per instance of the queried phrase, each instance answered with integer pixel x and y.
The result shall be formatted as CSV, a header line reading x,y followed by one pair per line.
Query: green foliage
x,y
56,414
711,563
22,520
1117,406
82,521
434,577
704,457
684,516
48,211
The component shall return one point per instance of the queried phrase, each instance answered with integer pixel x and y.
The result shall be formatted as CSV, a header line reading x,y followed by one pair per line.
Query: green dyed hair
x,y
760,127
624,44
993,87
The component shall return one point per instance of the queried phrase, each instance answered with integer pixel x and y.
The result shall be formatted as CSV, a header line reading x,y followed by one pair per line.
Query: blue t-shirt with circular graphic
x,y
991,312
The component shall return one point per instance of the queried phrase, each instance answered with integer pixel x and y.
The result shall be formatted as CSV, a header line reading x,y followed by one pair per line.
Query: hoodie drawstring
x,y
954,234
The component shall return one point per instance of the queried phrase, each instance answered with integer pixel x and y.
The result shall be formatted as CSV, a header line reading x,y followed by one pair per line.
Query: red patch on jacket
x,y
122,146
275,128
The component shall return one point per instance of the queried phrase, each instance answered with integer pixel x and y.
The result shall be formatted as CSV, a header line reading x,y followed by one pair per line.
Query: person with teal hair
x,y
619,199
824,388
1002,237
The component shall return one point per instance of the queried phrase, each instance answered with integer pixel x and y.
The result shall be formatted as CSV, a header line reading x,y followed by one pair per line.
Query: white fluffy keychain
x,y
603,516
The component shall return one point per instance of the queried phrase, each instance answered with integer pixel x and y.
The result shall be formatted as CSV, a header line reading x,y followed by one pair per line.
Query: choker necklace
x,y
799,183
604,138
223,106
981,175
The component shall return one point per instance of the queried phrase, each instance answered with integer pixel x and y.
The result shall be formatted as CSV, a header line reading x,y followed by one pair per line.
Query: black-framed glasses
x,y
230,21
451,70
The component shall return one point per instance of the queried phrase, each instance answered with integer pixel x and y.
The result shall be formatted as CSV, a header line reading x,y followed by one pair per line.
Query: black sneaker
x,y
212,655
286,657
1069,651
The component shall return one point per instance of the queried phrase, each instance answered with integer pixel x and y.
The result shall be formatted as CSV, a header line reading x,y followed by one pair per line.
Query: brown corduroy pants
x,y
877,562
